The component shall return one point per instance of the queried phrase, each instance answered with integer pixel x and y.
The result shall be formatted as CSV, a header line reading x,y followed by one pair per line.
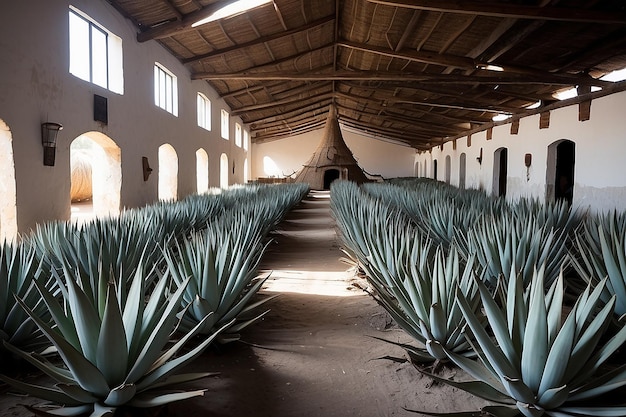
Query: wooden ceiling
x,y
417,72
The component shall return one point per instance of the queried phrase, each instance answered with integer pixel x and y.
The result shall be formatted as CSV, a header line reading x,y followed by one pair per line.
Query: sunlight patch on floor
x,y
329,283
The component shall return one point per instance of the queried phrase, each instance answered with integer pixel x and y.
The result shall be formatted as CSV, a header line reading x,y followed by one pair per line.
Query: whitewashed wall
x,y
36,86
599,169
374,156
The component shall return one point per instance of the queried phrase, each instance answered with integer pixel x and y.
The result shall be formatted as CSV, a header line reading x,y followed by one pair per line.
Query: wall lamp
x,y
49,132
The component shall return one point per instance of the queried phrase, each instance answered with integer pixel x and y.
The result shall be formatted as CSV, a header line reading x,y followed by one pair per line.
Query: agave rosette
x,y
536,362
115,356
600,251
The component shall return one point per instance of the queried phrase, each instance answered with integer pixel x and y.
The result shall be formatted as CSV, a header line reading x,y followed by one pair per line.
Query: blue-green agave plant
x,y
116,356
536,363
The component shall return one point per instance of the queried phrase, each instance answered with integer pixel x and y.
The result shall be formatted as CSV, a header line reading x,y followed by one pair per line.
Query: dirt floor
x,y
314,353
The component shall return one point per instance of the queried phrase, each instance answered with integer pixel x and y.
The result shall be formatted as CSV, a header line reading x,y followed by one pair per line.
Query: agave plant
x,y
115,356
536,363
414,282
505,245
18,270
601,252
221,262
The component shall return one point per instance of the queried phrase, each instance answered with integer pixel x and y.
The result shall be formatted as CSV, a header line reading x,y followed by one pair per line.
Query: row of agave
x,y
124,303
488,294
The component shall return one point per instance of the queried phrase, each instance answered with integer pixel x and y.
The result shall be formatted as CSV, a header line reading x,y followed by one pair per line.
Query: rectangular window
x,y
238,134
204,112
225,124
165,89
246,139
95,53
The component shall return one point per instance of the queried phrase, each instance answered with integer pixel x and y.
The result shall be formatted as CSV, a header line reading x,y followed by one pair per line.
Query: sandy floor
x,y
313,354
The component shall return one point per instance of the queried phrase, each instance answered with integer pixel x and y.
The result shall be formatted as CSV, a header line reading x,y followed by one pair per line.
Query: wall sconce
x,y
49,132
146,168
479,158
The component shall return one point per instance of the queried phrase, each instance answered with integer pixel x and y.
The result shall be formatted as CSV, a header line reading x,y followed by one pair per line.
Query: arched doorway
x,y
246,176
96,176
330,175
462,169
500,163
434,169
417,169
448,169
224,171
168,172
8,202
560,171
202,171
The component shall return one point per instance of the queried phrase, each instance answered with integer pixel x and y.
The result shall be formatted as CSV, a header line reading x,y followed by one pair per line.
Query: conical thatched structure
x,y
332,160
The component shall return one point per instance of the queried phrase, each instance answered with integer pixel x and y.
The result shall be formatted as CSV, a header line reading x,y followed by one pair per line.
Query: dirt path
x,y
313,354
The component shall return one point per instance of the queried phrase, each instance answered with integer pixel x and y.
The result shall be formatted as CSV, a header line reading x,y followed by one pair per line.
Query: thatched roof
x,y
416,71
331,153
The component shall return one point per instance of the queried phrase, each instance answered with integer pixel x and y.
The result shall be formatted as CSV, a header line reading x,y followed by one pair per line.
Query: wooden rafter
x,y
566,14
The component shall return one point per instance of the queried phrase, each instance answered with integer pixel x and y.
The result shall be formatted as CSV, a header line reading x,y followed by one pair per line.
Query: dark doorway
x,y
435,169
330,175
500,172
564,175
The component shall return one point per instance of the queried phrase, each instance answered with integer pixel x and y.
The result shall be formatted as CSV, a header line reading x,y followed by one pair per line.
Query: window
x,y
95,53
225,123
165,89
238,134
246,139
204,112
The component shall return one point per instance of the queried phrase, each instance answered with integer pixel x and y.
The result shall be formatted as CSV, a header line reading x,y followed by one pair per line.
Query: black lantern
x,y
49,132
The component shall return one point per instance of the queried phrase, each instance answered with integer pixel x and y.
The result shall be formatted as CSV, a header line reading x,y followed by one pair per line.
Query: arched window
x,y
96,176
500,164
168,173
448,169
202,171
224,171
560,170
8,202
462,169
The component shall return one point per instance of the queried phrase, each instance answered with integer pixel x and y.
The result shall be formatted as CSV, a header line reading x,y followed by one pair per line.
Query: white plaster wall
x,y
374,156
599,170
36,86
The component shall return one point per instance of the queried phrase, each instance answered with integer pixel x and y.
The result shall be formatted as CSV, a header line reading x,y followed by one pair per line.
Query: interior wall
x,y
599,180
36,87
374,156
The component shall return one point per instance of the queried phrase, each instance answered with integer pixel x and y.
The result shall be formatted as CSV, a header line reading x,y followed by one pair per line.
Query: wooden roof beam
x,y
565,14
261,41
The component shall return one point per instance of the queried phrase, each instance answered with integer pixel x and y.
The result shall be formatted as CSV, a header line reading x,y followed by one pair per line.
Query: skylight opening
x,y
572,92
615,76
534,105
489,67
232,9
500,117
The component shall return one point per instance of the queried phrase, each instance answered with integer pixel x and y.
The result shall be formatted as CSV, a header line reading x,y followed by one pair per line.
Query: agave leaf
x,y
478,388
603,383
492,411
101,410
66,411
146,400
86,319
58,374
182,378
85,373
618,411
553,398
495,356
112,350
120,395
171,366
77,393
519,390
559,356
49,394
535,351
